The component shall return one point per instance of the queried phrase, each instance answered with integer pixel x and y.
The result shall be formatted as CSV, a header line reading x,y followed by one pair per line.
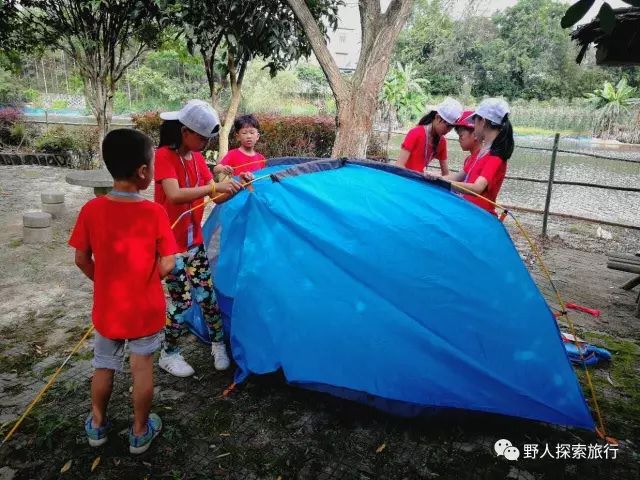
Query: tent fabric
x,y
373,285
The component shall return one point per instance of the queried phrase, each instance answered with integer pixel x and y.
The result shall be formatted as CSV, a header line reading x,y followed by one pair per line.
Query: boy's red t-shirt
x,y
126,239
416,143
493,169
237,159
189,173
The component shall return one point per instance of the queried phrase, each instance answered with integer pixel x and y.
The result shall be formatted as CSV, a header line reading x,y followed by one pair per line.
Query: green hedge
x,y
280,135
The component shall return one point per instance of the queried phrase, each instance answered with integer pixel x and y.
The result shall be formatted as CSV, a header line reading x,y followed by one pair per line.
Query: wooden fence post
x,y
552,169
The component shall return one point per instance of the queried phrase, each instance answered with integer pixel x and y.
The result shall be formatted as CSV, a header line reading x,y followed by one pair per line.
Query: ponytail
x,y
428,118
171,134
503,144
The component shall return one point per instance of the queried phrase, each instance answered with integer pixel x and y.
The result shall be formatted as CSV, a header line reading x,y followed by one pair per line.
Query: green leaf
x,y
575,12
607,18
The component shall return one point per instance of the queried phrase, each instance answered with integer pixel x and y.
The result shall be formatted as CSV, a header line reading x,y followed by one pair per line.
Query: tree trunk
x,y
355,118
99,95
235,79
215,100
225,131
44,77
66,74
357,98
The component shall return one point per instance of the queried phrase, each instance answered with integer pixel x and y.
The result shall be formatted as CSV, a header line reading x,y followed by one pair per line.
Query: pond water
x,y
610,205
33,111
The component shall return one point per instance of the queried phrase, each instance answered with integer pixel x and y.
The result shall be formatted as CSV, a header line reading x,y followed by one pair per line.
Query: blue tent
x,y
371,283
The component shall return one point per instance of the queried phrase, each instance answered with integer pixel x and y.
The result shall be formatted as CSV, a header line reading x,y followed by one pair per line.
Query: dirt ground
x,y
267,429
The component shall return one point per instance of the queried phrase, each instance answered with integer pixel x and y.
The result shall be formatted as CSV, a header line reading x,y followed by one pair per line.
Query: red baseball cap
x,y
465,120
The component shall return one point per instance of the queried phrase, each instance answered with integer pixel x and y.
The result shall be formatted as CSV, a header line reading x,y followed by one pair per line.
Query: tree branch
x,y
319,45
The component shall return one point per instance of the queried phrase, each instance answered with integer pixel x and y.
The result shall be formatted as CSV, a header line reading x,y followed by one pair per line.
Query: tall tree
x,y
9,27
103,37
357,96
427,42
229,34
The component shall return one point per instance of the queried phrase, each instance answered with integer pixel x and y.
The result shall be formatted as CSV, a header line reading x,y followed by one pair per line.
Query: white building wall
x,y
344,43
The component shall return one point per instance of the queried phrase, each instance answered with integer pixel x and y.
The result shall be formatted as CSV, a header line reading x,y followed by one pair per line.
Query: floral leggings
x,y
191,275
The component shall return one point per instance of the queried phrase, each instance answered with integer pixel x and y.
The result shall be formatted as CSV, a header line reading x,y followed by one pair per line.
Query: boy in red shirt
x,y
124,244
244,158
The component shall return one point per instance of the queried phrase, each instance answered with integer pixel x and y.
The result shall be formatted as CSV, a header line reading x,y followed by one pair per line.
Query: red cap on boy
x,y
465,120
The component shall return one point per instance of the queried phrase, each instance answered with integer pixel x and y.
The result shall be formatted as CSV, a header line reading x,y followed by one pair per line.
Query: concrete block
x,y
53,203
36,227
36,219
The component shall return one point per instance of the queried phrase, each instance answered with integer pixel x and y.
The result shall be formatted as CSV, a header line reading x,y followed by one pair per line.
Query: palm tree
x,y
612,103
402,95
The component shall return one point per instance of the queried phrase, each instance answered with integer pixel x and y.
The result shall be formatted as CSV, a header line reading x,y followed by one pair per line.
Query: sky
x,y
493,5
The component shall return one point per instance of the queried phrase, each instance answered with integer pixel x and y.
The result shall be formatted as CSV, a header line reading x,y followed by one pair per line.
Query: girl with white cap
x,y
182,180
426,141
485,173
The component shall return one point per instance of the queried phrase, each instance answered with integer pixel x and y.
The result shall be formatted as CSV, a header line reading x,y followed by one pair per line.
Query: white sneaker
x,y
219,354
175,364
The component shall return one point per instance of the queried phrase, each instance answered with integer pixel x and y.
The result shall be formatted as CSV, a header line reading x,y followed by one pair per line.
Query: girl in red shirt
x,y
426,141
182,181
485,173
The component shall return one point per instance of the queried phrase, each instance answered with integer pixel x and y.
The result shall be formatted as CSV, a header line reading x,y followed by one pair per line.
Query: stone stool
x,y
53,203
36,227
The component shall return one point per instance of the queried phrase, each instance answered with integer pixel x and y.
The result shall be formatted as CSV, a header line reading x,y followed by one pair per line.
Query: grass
x,y
620,402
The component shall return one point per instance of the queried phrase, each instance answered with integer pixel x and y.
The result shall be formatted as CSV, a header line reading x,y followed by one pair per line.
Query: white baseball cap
x,y
493,109
198,116
450,110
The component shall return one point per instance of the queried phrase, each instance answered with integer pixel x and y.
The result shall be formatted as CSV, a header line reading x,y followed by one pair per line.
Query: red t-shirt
x,y
416,144
237,159
493,169
126,239
189,173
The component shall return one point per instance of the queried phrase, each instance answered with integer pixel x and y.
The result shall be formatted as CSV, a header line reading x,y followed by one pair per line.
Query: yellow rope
x,y
46,387
600,429
209,199
88,332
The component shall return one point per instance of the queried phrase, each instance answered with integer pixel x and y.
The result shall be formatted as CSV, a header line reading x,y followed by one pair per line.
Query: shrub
x,y
10,93
55,140
19,134
9,117
80,142
149,123
301,136
85,147
32,95
280,135
59,104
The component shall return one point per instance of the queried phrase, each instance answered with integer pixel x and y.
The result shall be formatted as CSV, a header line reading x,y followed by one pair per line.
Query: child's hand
x,y
230,186
246,177
223,169
432,175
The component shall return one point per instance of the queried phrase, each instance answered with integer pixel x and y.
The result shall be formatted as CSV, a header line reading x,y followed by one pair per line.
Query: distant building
x,y
344,43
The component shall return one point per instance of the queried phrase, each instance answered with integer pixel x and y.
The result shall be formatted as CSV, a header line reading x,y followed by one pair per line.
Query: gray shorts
x,y
109,353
